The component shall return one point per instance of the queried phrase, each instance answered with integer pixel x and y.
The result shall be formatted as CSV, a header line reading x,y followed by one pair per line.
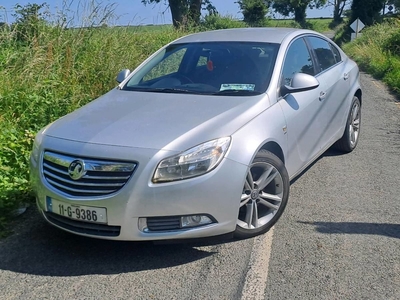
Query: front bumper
x,y
215,194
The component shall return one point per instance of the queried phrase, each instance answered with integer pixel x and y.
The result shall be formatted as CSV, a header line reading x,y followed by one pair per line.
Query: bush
x,y
392,44
215,22
392,78
14,156
254,12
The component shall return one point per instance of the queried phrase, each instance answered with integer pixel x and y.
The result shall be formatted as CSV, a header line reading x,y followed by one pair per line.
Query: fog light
x,y
195,220
142,224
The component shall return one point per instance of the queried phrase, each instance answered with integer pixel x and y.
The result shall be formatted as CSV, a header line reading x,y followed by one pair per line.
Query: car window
x,y
222,68
336,53
323,52
168,66
297,60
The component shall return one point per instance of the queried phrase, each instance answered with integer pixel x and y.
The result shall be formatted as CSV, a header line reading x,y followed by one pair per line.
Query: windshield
x,y
215,68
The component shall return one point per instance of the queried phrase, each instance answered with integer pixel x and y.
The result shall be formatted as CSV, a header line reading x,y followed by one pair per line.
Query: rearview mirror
x,y
122,75
300,83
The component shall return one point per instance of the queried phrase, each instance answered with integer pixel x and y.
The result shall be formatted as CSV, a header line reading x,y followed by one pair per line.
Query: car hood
x,y
157,120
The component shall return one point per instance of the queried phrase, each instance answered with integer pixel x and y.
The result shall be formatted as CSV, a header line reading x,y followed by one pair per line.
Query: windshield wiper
x,y
237,93
169,90
160,90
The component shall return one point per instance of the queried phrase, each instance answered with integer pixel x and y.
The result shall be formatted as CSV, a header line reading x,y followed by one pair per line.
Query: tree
x,y
296,7
28,20
396,5
254,11
186,12
338,9
368,11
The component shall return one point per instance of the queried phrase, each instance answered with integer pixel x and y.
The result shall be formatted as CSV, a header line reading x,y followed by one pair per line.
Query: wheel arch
x,y
274,148
358,94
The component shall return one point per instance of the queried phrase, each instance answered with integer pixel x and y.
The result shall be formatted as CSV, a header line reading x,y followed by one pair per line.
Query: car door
x,y
302,109
333,88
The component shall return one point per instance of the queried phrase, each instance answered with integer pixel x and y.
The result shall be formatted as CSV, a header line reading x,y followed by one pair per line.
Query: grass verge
x,y
377,51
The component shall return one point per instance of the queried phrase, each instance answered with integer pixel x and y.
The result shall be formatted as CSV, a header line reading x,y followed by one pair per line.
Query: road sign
x,y
357,26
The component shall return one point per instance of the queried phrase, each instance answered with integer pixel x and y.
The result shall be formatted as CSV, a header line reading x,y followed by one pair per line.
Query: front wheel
x,y
264,197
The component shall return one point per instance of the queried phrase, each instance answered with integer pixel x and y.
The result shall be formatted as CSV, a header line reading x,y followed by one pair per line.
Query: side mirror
x,y
300,83
122,75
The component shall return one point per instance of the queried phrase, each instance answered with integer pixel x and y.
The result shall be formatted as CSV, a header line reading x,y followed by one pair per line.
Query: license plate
x,y
77,212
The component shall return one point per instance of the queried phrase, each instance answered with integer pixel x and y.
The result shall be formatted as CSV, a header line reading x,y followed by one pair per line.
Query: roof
x,y
268,35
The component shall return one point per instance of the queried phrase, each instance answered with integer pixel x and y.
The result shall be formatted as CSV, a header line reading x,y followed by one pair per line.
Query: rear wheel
x,y
349,140
264,197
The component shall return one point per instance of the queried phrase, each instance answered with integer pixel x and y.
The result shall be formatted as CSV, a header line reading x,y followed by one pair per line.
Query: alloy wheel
x,y
261,197
354,124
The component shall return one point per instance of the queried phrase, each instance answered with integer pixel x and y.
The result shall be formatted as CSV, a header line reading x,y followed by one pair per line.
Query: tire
x,y
349,140
264,197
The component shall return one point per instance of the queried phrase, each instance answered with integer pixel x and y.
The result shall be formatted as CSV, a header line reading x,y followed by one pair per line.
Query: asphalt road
x,y
339,238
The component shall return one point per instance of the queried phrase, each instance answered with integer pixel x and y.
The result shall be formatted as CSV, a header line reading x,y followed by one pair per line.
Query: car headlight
x,y
193,162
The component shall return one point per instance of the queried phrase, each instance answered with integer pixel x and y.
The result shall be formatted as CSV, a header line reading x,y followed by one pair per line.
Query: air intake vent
x,y
163,223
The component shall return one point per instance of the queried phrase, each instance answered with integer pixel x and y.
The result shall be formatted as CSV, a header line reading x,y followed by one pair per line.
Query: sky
x,y
132,12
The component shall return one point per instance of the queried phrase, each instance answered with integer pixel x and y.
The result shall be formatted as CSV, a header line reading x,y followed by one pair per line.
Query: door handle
x,y
346,76
322,96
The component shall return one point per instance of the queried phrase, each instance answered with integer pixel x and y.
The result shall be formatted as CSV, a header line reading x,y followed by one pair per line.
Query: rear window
x,y
323,51
336,53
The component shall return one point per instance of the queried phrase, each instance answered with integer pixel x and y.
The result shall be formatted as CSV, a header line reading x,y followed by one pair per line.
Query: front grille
x,y
83,227
163,223
91,177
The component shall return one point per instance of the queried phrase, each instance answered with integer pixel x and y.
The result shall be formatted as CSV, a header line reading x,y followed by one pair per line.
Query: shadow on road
x,y
389,230
40,249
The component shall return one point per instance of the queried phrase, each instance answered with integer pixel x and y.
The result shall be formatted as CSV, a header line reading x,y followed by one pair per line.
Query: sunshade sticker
x,y
237,87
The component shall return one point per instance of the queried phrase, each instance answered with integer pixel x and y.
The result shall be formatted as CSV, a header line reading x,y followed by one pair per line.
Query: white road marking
x,y
377,84
257,274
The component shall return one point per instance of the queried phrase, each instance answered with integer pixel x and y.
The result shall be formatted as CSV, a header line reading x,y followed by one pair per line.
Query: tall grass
x,y
51,74
377,52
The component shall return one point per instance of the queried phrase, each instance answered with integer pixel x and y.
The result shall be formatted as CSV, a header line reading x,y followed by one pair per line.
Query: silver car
x,y
202,139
